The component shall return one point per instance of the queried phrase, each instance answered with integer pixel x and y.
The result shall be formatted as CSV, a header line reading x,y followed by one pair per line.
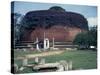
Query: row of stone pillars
x,y
36,60
63,65
46,44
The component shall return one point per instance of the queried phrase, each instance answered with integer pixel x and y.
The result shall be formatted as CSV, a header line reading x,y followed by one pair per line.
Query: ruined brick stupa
x,y
55,23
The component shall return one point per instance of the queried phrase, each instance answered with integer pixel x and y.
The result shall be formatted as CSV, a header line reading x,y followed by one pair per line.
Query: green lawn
x,y
82,59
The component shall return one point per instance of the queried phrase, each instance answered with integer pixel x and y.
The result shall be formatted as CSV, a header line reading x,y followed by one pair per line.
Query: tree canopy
x,y
87,38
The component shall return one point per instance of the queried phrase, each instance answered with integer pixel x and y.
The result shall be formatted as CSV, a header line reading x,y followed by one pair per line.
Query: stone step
x,y
63,43
20,47
65,46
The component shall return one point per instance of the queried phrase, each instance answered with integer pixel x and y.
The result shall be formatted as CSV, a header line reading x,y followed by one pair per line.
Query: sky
x,y
89,12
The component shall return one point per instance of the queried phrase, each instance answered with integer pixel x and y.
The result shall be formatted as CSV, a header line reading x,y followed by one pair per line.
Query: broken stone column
x,y
70,65
25,62
36,60
21,68
65,64
24,49
53,43
15,67
60,68
42,61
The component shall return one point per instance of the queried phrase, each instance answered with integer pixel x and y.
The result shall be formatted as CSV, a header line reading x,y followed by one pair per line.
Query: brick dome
x,y
55,22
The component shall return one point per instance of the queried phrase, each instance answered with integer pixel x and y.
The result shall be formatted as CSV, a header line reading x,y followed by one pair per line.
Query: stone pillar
x,y
25,62
46,43
37,45
65,64
42,61
36,60
15,67
53,42
60,68
70,65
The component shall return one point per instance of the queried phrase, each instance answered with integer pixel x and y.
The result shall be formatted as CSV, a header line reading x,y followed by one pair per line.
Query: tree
x,y
87,39
93,32
15,25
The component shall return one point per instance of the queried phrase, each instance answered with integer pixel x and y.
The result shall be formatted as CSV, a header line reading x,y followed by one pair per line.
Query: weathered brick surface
x,y
60,33
55,22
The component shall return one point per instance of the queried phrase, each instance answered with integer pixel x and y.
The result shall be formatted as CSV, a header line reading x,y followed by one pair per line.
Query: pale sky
x,y
89,12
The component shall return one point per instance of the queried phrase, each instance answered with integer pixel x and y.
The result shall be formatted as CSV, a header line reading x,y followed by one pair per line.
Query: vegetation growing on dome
x,y
54,16
57,8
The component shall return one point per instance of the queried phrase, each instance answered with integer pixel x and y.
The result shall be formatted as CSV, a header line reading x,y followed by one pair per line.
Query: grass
x,y
82,59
